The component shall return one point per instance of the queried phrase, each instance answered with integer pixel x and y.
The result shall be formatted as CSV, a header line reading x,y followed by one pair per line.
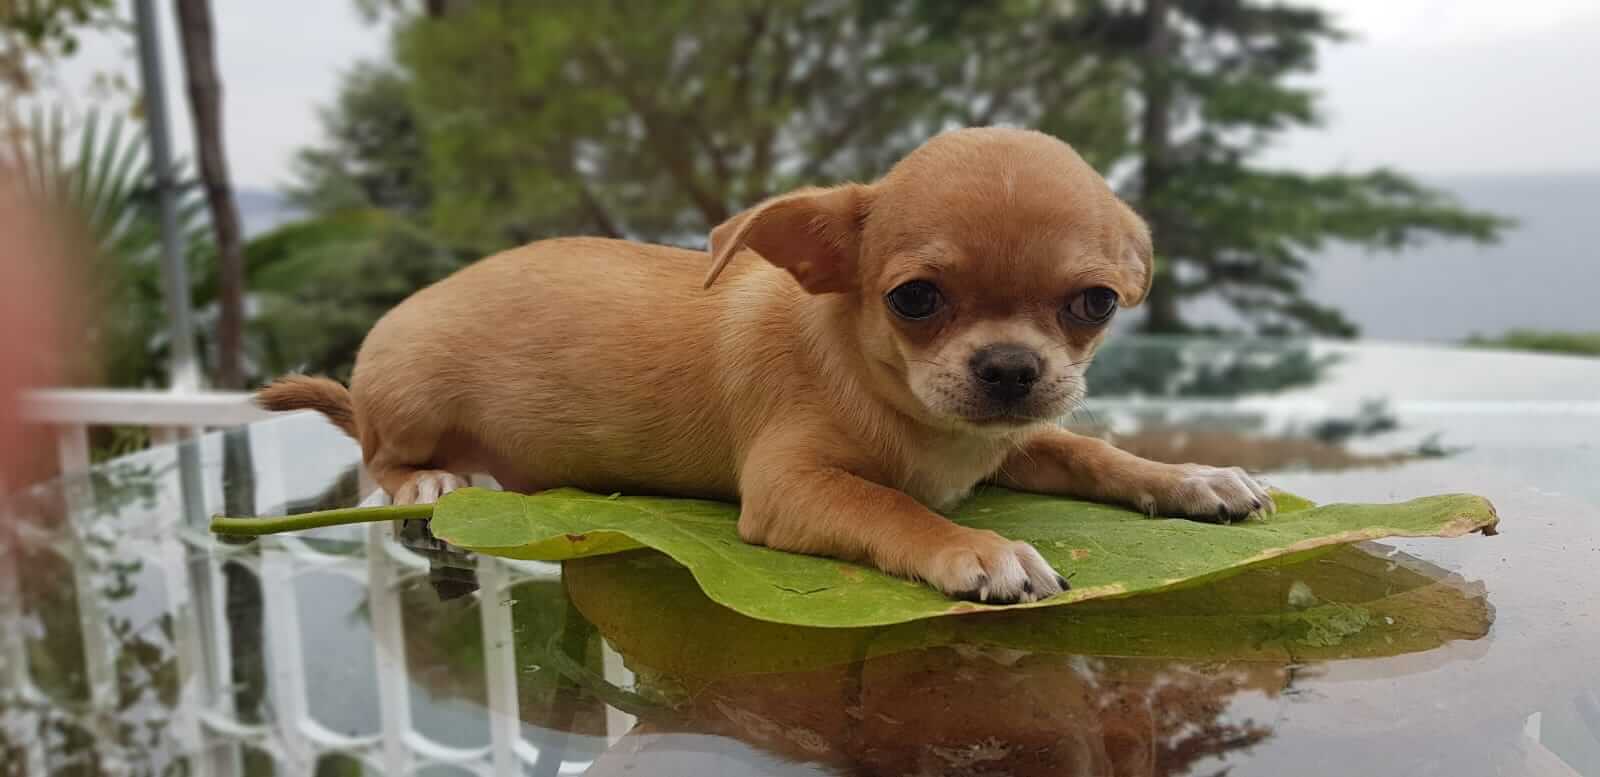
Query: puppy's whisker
x,y
1093,419
1022,450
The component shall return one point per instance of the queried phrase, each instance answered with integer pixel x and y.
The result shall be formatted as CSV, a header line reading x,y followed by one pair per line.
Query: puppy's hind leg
x,y
425,486
404,465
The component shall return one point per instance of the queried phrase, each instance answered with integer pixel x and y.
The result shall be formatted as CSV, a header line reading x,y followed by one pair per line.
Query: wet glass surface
x,y
135,643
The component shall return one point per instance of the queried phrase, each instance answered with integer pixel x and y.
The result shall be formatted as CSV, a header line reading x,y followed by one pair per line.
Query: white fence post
x,y
500,665
72,448
285,663
389,646
206,726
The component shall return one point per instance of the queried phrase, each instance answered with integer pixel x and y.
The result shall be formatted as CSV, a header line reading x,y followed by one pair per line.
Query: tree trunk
x,y
1155,147
198,37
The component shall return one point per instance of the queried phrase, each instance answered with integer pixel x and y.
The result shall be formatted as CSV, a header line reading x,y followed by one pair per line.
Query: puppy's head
x,y
983,271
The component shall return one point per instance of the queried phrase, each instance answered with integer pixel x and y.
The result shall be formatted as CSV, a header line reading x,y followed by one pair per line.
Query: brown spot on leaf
x,y
1079,554
1094,592
577,537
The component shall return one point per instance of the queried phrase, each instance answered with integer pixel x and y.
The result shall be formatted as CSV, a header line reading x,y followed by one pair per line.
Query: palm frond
x,y
98,173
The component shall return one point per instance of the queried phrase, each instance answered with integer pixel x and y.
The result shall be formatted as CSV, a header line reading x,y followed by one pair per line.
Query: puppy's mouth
x,y
1007,416
1004,419
994,415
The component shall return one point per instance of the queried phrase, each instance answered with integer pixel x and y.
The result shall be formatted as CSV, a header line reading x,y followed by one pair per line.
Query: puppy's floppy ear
x,y
813,233
1137,250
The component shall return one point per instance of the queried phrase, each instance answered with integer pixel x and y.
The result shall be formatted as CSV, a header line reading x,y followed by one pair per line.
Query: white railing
x,y
204,726
170,416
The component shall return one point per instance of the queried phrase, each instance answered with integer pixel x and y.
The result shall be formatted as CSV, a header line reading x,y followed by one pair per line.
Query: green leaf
x,y
255,527
1106,551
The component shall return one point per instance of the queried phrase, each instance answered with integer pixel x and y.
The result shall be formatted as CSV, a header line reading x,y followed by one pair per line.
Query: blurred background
x,y
1417,171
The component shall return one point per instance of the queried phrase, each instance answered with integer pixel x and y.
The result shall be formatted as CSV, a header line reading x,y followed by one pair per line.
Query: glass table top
x,y
136,643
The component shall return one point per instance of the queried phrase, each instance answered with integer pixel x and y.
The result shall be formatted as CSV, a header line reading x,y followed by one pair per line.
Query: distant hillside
x,y
263,209
1542,275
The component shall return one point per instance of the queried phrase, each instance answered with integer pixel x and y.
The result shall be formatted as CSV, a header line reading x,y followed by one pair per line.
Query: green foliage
x,y
52,22
35,33
1571,343
321,284
656,121
374,157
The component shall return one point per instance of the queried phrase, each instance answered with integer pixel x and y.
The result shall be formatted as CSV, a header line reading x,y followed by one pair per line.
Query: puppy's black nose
x,y
1006,372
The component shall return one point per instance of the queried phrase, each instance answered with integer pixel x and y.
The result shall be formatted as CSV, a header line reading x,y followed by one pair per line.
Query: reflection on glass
x,y
1149,685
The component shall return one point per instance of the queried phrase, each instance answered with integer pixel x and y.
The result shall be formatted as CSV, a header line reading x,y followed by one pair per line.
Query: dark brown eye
x,y
915,300
1092,306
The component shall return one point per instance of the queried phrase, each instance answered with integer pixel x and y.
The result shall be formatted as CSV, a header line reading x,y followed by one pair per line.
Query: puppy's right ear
x,y
1139,254
813,233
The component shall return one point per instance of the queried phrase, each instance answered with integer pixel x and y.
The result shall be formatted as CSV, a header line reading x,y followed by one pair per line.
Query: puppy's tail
x,y
304,392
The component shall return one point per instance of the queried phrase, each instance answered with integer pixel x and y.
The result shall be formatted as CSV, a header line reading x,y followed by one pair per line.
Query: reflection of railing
x,y
204,724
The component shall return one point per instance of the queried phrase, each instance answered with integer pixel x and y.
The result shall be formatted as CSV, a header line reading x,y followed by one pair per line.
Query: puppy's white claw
x,y
426,486
991,569
1263,497
1221,494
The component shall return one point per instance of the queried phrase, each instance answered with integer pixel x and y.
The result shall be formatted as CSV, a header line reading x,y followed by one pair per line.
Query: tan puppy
x,y
902,342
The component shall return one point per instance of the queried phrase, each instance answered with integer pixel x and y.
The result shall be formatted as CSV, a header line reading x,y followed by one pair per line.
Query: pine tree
x,y
659,120
1211,90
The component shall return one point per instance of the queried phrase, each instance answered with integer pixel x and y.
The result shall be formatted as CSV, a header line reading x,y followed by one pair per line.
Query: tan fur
x,y
780,378
305,392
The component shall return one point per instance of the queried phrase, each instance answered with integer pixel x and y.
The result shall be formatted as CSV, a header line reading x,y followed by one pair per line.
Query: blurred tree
x,y
35,33
321,283
657,121
197,35
1168,367
375,10
1211,92
373,156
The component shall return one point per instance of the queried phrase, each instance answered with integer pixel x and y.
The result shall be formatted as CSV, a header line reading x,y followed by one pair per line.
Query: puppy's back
x,y
567,361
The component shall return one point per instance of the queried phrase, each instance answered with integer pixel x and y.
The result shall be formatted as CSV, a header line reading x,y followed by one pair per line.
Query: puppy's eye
x,y
1092,306
915,300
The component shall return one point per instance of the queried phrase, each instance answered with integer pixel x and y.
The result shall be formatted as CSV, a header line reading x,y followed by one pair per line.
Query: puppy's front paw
x,y
985,567
1202,493
426,486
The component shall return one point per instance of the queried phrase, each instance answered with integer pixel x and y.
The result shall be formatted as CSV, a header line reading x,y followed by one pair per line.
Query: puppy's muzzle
x,y
1006,372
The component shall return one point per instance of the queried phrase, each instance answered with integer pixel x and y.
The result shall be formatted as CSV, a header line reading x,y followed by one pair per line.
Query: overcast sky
x,y
1437,87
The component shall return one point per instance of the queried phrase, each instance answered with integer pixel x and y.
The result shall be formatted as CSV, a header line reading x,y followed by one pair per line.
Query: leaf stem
x,y
347,515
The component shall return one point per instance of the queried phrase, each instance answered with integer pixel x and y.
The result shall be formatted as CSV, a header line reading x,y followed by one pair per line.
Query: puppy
x,y
856,358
